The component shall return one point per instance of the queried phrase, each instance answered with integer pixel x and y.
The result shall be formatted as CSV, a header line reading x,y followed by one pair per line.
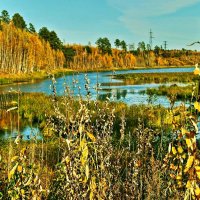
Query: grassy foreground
x,y
100,150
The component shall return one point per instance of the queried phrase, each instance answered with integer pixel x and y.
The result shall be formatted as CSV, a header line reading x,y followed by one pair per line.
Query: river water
x,y
108,87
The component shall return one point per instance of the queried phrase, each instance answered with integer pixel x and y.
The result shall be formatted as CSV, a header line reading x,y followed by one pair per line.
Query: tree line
x,y
92,58
23,50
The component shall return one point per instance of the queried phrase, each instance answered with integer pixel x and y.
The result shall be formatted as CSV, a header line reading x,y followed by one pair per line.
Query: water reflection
x,y
27,133
110,88
11,126
8,119
113,94
116,90
104,97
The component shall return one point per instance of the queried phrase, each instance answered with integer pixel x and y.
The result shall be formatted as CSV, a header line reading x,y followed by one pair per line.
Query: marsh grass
x,y
141,78
181,92
99,150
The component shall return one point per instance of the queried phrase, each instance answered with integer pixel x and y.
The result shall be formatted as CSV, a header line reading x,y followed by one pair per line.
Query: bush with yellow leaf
x,y
23,179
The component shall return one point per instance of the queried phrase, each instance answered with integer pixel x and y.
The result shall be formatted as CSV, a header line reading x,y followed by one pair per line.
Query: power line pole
x,y
165,45
151,39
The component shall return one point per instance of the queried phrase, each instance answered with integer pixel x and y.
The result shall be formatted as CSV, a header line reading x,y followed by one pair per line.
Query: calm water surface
x,y
129,94
27,133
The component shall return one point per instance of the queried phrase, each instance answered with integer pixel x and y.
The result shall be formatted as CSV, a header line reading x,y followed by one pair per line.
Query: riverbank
x,y
6,79
164,66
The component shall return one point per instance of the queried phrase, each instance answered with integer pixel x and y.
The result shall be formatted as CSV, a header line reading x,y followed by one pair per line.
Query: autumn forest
x,y
23,50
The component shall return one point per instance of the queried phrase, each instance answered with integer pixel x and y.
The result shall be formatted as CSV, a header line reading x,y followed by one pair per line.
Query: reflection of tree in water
x,y
9,126
102,97
121,94
8,120
117,93
124,93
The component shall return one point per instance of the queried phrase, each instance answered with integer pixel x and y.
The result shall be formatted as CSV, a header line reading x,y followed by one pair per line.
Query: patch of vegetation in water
x,y
179,92
140,78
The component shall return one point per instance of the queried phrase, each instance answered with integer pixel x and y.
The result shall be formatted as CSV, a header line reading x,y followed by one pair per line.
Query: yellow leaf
x,y
172,176
196,71
81,128
84,155
198,174
184,156
184,131
197,106
189,163
180,149
197,168
12,172
14,158
178,177
22,191
22,151
93,183
67,159
197,191
91,195
180,184
92,187
14,103
83,143
174,150
195,125
196,162
188,142
173,167
91,136
35,180
87,171
102,166
74,174
189,184
103,184
19,168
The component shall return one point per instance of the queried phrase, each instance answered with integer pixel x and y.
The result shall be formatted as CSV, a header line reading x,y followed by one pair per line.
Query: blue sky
x,y
81,21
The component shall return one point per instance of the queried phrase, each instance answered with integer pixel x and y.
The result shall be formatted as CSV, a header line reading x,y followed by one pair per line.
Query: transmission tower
x,y
165,45
151,39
